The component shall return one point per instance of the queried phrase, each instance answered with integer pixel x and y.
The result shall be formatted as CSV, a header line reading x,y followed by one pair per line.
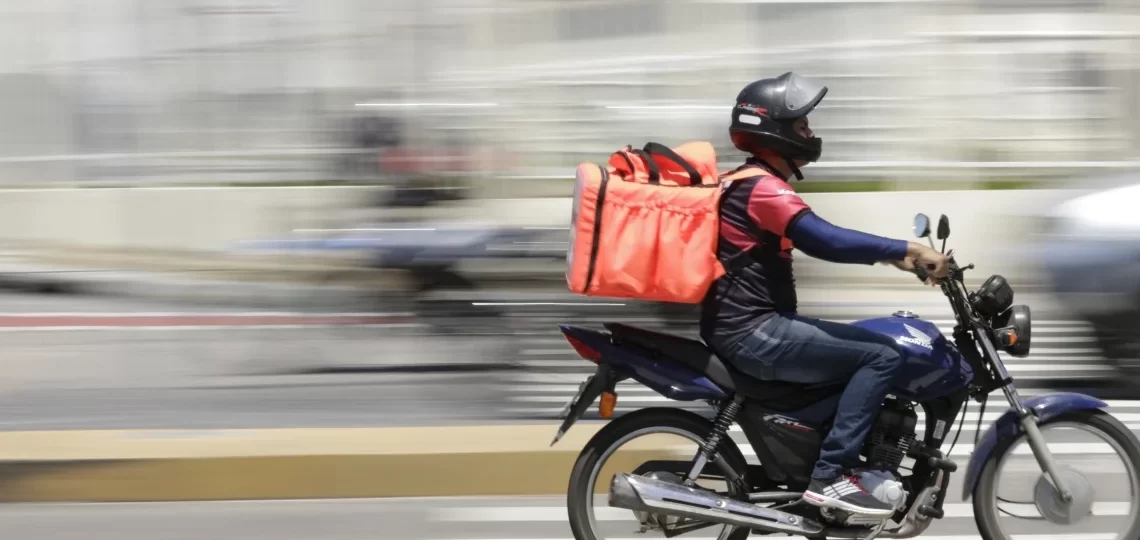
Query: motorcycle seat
x,y
696,355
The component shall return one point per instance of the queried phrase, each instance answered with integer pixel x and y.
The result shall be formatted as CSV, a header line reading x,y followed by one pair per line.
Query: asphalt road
x,y
539,518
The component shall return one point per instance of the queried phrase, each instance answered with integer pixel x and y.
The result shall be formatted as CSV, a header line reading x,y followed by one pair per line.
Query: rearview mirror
x,y
921,226
943,227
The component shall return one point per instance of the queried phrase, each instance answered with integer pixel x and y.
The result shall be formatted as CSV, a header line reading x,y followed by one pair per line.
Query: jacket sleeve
x,y
773,204
816,237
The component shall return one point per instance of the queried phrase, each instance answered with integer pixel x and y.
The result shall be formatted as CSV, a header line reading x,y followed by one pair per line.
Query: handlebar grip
x,y
921,273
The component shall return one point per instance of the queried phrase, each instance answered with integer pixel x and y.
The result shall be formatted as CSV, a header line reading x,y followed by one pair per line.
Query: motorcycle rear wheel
x,y
580,494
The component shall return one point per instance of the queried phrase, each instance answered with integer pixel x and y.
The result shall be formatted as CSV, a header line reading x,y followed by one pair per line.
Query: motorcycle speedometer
x,y
994,297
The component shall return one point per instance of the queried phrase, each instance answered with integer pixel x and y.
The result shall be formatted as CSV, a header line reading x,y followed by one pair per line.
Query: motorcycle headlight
x,y
1013,331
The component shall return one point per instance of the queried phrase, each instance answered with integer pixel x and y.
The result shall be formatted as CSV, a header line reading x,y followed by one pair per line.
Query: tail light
x,y
585,351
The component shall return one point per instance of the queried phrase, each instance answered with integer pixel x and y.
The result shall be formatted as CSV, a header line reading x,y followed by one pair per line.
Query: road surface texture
x,y
538,518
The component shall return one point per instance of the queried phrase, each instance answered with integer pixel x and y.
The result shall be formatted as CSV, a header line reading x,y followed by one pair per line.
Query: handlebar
x,y
955,272
921,273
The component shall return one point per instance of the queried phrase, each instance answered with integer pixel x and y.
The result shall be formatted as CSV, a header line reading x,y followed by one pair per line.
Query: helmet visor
x,y
802,96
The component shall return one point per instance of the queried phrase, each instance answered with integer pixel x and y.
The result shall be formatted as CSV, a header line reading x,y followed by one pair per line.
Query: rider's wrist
x,y
914,249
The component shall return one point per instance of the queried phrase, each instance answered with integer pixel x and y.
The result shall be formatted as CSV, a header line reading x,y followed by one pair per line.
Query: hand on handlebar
x,y
930,266
908,265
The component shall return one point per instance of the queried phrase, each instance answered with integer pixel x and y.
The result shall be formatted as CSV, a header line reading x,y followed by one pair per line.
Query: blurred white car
x,y
1091,253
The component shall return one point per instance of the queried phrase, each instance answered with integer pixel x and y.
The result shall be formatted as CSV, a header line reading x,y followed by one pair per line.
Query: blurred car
x,y
1091,254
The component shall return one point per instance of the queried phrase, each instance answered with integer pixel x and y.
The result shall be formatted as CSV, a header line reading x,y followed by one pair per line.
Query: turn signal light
x,y
607,404
1007,337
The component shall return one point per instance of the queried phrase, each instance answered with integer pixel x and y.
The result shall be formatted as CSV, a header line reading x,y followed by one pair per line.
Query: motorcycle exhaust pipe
x,y
642,494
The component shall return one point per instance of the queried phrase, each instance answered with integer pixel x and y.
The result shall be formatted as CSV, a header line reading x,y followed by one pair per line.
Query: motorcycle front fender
x,y
1008,426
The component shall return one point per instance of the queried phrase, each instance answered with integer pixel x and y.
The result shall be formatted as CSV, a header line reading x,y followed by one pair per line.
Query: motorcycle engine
x,y
891,437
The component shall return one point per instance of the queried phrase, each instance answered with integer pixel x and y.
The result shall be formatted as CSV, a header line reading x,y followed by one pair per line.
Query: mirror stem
x,y
943,245
931,240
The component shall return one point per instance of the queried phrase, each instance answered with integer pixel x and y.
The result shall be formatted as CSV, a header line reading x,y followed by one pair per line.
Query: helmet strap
x,y
769,167
795,170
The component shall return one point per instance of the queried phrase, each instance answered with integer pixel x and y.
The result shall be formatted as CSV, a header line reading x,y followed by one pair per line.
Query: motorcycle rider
x,y
749,316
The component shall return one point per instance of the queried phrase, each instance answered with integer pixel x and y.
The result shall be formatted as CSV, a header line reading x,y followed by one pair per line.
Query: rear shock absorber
x,y
724,420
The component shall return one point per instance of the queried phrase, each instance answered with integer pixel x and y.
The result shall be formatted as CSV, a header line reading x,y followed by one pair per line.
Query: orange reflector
x,y
1011,339
606,405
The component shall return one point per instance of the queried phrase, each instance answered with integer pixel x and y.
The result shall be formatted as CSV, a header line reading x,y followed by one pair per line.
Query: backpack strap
x,y
741,260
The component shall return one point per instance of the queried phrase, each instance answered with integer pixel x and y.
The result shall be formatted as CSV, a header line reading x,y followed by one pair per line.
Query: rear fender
x,y
1008,426
670,379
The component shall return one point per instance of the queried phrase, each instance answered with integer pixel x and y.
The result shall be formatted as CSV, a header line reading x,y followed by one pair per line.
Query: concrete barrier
x,y
118,466
987,225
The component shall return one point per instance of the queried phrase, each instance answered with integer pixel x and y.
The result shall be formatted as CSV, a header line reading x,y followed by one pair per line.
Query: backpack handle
x,y
654,172
668,153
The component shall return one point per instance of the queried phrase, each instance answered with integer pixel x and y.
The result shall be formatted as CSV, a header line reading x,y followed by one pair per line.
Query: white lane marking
x,y
1069,339
567,351
581,362
1037,351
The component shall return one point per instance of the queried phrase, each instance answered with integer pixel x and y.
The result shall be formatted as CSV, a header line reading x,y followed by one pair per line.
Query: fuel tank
x,y
934,368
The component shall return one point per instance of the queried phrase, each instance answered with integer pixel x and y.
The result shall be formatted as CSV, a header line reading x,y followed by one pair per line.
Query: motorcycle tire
x,y
985,515
614,433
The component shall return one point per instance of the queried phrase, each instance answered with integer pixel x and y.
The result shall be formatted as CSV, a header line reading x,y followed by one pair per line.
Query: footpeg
x,y
943,464
931,512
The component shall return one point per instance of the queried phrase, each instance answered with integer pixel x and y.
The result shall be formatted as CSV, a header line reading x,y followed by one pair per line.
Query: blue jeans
x,y
803,350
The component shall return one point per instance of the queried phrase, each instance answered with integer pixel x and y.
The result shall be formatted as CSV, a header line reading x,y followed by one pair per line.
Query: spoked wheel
x,y
1098,459
663,443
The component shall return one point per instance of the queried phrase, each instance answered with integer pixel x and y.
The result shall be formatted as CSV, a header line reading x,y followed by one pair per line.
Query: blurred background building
x,y
134,91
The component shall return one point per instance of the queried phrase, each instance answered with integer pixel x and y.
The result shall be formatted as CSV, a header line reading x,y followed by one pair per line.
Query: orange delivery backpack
x,y
646,224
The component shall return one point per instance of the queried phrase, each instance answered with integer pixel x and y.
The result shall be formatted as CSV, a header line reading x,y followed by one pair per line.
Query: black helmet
x,y
765,111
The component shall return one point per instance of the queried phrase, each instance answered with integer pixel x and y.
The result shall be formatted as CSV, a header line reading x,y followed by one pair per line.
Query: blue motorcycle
x,y
784,424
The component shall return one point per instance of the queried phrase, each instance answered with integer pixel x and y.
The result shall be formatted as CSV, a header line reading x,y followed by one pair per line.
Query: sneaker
x,y
883,485
847,493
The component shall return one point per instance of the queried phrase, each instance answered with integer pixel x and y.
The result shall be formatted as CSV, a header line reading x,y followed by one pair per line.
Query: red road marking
x,y
32,320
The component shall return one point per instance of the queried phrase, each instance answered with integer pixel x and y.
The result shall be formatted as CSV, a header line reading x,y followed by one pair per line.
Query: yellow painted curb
x,y
115,466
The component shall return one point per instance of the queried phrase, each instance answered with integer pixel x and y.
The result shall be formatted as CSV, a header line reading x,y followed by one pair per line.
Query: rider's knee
x,y
891,357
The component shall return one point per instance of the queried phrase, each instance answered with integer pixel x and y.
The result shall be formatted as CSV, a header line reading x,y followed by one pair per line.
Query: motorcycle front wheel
x,y
1039,510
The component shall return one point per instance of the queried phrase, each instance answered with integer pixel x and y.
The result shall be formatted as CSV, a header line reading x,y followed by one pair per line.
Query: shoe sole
x,y
823,501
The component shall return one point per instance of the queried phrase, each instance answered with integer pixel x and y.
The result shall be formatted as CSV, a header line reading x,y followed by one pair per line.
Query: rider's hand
x,y
907,265
937,265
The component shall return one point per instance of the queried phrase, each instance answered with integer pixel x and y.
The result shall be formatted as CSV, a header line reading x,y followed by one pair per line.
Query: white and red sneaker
x,y
847,493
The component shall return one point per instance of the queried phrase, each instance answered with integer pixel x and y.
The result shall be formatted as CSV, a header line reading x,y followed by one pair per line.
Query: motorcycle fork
x,y
1028,422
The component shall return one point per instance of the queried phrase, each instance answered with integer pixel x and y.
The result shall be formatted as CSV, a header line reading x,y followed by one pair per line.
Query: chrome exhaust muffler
x,y
642,494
